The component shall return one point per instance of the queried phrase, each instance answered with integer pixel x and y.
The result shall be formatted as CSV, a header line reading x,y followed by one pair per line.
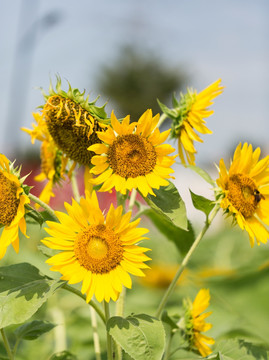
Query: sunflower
x,y
72,122
188,116
195,323
161,275
97,251
244,191
12,210
53,163
132,156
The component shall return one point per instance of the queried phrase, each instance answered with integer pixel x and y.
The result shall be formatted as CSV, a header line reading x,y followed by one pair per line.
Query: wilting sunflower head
x,y
188,116
244,191
132,156
96,250
72,122
195,324
12,202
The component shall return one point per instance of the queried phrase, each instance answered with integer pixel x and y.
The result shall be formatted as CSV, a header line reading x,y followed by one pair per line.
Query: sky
x,y
210,39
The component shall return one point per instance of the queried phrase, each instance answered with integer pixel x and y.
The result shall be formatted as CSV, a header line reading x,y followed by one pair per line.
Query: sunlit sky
x,y
210,39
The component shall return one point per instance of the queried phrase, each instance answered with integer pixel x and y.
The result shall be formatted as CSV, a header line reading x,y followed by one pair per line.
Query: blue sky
x,y
211,39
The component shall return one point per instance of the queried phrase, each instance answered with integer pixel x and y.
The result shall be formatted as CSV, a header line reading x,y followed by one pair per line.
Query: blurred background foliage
x,y
135,79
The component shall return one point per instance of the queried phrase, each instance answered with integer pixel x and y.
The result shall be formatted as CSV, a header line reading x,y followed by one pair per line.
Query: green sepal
x,y
169,321
179,112
78,97
171,113
175,103
26,188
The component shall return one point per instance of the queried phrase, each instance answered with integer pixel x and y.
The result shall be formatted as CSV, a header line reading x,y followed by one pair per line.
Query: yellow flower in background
x,y
132,156
193,119
12,210
97,251
188,117
244,191
53,164
195,323
161,275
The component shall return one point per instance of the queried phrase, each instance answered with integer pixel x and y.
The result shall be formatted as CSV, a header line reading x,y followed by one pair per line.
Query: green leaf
x,y
185,355
13,276
48,252
33,329
232,349
169,204
203,174
46,216
23,289
141,336
63,355
201,203
182,239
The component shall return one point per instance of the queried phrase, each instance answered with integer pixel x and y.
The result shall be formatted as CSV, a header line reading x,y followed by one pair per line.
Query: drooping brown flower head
x,y
72,122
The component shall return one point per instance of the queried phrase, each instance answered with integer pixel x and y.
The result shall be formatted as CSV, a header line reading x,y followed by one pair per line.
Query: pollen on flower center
x,y
132,155
241,193
98,249
8,200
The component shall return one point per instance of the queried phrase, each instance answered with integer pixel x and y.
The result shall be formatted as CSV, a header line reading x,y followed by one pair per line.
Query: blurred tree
x,y
135,80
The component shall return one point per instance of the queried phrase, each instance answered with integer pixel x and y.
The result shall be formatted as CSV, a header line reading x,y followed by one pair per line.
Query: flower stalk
x,y
6,344
186,261
91,303
109,338
44,205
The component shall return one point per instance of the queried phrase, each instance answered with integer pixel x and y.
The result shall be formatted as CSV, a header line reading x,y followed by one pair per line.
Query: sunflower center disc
x,y
132,156
8,200
241,193
98,249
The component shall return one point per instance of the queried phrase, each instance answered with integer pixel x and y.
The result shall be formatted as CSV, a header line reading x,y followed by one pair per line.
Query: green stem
x,y
91,303
168,345
109,339
6,344
75,189
44,205
132,199
119,312
185,261
96,341
161,120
